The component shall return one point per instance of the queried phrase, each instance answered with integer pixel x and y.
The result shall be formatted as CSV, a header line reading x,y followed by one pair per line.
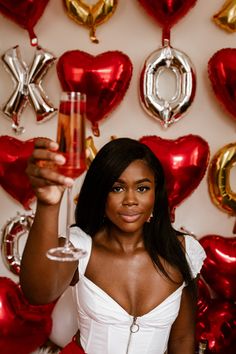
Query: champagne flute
x,y
71,140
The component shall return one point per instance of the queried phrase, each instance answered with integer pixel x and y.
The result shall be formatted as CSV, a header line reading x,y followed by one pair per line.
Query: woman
x,y
136,287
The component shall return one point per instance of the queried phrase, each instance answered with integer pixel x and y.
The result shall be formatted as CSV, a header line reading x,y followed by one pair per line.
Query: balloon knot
x,y
95,130
165,36
93,36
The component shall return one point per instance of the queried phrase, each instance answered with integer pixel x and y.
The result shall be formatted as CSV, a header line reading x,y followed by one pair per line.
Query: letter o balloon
x,y
167,111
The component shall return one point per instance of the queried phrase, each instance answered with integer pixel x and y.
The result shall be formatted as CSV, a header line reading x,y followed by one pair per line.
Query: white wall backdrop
x,y
133,32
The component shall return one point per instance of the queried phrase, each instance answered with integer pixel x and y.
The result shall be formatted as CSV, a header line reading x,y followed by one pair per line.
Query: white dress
x,y
106,328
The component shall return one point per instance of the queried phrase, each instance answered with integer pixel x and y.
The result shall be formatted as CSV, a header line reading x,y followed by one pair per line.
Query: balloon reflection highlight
x,y
225,18
92,15
28,86
14,230
184,161
167,111
219,268
220,190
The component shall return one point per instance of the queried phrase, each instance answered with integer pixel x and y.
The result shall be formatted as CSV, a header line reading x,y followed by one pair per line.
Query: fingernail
x,y
53,145
69,181
60,159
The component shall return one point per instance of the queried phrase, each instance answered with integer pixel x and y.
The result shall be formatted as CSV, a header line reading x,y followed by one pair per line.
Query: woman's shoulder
x,y
81,239
195,253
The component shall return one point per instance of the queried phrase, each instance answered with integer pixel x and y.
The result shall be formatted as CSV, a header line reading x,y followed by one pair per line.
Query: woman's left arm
x,y
182,335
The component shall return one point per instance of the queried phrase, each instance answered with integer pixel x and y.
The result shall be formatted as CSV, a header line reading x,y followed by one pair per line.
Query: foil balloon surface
x,y
91,149
25,13
184,161
219,268
167,110
90,15
203,298
217,327
28,86
222,75
13,231
219,187
167,12
14,154
24,327
104,79
225,18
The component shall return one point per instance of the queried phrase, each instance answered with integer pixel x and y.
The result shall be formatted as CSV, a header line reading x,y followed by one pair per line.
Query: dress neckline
x,y
103,292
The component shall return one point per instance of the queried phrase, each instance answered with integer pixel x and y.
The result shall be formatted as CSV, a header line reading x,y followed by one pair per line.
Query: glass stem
x,y
68,216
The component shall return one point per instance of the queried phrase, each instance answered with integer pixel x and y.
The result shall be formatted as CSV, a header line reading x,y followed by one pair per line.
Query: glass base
x,y
66,254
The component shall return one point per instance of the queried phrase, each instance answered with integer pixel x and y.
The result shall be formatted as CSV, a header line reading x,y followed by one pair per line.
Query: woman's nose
x,y
130,198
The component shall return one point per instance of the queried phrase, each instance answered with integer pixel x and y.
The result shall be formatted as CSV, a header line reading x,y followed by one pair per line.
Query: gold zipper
x,y
134,328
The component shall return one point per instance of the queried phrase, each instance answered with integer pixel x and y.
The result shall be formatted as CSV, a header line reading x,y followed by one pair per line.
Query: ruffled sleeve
x,y
195,254
81,240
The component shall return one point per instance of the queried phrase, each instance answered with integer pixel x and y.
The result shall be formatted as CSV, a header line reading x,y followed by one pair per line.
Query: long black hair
x,y
160,238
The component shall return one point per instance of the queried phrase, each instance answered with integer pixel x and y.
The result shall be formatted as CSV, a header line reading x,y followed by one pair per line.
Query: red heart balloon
x,y
219,268
23,327
167,12
25,13
104,78
13,161
218,327
222,74
203,298
184,161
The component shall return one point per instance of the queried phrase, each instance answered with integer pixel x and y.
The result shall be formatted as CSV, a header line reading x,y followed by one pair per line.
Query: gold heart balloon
x,y
90,16
226,17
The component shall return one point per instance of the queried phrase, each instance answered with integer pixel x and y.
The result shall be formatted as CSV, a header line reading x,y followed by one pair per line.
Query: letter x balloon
x,y
27,86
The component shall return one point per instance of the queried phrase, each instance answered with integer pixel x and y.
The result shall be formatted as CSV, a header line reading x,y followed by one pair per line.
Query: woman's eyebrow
x,y
144,180
119,180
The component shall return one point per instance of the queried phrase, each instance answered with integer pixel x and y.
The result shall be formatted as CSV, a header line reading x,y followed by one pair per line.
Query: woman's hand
x,y
47,183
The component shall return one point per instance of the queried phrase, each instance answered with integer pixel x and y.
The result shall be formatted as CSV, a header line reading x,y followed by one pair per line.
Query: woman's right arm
x,y
41,279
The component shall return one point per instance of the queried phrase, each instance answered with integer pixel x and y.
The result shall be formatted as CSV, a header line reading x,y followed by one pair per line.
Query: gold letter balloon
x,y
90,16
226,17
219,179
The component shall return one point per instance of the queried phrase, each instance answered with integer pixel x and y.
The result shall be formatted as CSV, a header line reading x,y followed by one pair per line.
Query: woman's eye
x,y
143,188
117,189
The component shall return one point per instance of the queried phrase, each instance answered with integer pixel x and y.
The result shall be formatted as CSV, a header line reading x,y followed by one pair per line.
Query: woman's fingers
x,y
41,167
46,149
46,176
45,143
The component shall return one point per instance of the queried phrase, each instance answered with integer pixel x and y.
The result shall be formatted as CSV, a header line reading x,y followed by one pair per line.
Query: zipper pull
x,y
134,328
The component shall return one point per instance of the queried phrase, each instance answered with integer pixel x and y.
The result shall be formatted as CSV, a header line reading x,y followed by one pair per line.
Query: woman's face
x,y
131,200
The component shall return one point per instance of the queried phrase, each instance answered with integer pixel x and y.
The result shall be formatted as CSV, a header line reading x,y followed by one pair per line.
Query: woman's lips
x,y
130,217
